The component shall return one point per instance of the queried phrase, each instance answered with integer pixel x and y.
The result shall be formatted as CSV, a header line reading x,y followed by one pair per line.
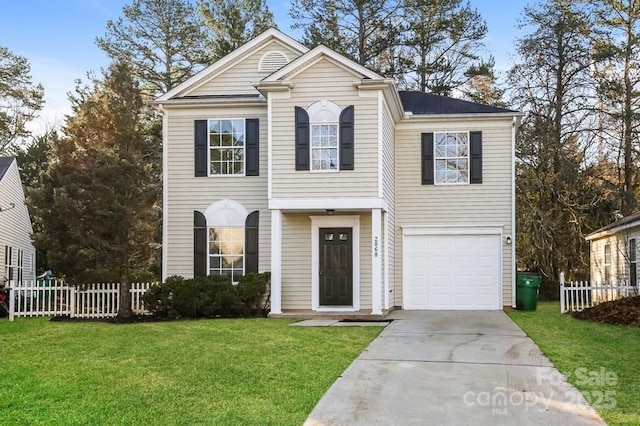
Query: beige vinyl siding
x,y
238,78
328,81
296,260
15,224
619,256
187,193
389,191
365,261
486,204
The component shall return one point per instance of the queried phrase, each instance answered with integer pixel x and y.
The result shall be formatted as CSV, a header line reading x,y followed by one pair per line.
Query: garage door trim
x,y
471,230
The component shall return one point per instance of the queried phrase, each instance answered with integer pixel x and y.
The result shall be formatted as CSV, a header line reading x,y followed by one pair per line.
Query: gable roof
x,y
420,103
617,226
5,162
318,52
247,48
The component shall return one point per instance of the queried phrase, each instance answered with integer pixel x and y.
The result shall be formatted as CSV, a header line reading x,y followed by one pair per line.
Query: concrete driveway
x,y
452,368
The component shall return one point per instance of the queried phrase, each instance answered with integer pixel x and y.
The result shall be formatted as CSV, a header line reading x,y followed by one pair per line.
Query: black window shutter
x,y
199,245
475,150
251,242
427,159
346,138
252,150
200,139
302,139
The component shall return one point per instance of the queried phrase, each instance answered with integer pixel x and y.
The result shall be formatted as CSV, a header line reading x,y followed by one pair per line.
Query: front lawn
x,y
601,360
207,372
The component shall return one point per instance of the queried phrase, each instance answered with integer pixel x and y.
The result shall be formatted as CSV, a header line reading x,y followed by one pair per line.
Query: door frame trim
x,y
317,222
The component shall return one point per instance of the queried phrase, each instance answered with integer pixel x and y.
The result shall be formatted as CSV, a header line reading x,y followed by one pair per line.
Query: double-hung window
x,y
226,252
451,157
226,146
324,146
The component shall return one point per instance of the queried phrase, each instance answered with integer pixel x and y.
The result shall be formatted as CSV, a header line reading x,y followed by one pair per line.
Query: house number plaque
x,y
375,246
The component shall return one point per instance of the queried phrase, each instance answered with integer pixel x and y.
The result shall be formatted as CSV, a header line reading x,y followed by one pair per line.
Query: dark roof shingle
x,y
627,220
5,162
428,103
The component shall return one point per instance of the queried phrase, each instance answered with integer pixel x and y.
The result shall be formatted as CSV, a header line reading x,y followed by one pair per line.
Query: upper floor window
x,y
324,137
226,146
324,146
452,157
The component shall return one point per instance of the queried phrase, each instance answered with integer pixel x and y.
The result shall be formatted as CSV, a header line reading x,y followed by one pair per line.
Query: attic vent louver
x,y
272,61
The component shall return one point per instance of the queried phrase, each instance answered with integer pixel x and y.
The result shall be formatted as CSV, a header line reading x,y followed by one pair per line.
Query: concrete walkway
x,y
452,368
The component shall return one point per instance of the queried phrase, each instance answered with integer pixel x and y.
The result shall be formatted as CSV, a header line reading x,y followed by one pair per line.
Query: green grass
x,y
583,350
207,372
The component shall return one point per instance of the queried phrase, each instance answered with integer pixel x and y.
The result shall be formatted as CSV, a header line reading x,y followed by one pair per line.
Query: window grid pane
x,y
226,252
452,158
324,146
226,147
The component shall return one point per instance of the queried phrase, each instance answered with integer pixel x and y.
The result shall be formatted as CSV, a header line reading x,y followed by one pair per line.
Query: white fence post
x,y
563,308
12,303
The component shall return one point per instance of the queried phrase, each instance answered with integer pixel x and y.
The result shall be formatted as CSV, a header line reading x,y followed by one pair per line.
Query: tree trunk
x,y
124,311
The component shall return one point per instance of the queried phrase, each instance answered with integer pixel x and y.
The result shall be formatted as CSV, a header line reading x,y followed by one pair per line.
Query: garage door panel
x,y
452,272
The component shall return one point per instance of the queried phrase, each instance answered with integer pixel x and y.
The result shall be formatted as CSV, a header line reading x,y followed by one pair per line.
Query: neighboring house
x,y
613,252
17,253
358,198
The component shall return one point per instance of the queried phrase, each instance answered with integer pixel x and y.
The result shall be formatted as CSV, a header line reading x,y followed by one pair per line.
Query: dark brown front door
x,y
336,267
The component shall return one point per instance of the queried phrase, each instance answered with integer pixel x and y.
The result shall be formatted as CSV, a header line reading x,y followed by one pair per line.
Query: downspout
x,y
513,211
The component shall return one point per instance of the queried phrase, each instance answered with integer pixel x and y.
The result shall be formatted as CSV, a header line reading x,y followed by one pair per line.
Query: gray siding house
x,y
357,197
17,253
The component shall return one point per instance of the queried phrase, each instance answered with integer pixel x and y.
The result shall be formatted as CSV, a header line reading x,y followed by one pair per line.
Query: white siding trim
x,y
165,191
513,211
269,144
318,222
453,230
376,262
327,203
380,143
386,260
276,262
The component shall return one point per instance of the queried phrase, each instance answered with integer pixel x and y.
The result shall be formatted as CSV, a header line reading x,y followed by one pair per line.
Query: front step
x,y
362,315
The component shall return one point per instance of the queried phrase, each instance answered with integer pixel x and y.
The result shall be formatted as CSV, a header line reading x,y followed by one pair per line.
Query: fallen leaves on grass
x,y
623,311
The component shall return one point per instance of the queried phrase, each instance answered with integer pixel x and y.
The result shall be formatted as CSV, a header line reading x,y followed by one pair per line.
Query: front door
x,y
336,267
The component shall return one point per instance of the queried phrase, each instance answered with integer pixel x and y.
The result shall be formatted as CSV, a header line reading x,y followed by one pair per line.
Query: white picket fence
x,y
56,298
578,295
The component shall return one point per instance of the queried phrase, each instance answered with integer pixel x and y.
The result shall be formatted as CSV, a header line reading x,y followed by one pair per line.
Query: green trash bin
x,y
527,285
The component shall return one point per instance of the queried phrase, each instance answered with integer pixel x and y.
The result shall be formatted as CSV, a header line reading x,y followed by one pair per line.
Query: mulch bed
x,y
624,312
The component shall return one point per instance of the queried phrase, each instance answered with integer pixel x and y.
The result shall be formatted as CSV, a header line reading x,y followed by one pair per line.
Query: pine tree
x,y
161,40
442,39
97,209
231,23
366,31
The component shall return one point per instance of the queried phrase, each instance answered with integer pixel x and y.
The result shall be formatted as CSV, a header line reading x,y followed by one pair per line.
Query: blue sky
x,y
58,38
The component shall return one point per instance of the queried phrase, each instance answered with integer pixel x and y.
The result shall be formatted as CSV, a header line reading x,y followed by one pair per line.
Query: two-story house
x,y
356,197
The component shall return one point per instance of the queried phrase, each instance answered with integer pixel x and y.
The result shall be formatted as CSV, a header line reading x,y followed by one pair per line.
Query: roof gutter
x,y
608,232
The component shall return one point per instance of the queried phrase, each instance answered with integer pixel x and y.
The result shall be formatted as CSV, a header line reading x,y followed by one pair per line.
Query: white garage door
x,y
452,272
